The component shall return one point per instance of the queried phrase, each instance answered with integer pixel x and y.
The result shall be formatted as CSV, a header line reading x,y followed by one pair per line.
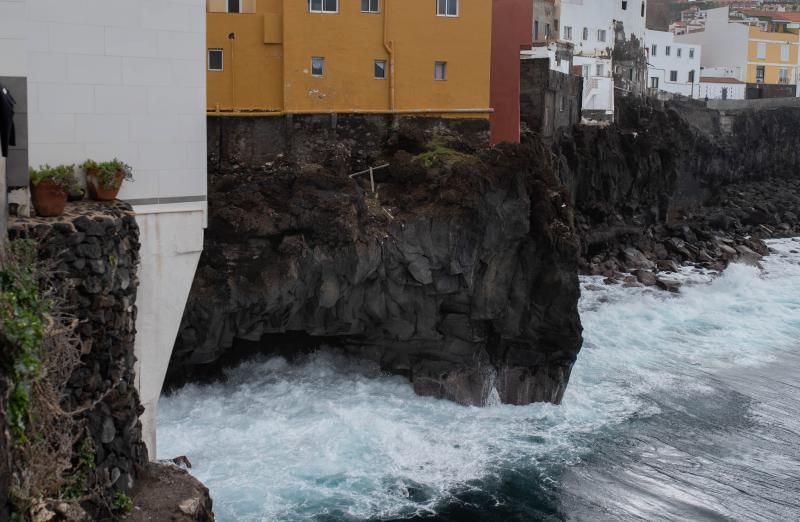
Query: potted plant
x,y
50,187
103,180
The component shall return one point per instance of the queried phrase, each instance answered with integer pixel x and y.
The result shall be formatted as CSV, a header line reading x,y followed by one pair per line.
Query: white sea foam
x,y
330,436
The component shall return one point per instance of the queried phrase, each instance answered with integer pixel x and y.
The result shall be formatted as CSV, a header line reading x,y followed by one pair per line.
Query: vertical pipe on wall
x,y
389,45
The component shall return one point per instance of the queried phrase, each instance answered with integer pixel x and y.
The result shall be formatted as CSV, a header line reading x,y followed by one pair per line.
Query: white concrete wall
x,y
724,44
683,59
598,89
13,38
713,91
631,17
126,79
737,73
593,15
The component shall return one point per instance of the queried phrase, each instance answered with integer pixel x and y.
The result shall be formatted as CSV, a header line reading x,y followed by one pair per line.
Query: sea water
x,y
680,407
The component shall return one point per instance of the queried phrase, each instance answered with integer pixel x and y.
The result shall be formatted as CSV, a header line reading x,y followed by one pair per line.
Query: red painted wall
x,y
512,28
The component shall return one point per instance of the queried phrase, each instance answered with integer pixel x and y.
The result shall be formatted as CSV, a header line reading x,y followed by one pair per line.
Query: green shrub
x,y
440,155
107,171
61,175
123,504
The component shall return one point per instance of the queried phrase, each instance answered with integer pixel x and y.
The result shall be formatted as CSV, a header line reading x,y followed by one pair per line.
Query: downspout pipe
x,y
389,46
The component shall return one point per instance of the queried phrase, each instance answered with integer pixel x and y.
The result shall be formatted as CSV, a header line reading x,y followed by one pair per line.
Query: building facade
x,y
763,45
672,66
608,39
344,56
124,79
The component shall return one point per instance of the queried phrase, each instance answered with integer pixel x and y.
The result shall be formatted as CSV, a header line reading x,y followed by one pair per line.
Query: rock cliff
x,y
460,273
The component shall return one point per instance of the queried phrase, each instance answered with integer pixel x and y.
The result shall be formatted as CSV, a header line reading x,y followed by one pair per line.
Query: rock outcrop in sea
x,y
460,273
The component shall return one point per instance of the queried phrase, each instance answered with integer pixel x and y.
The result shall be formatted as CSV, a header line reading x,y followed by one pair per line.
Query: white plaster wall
x,y
737,73
598,90
660,65
724,44
593,15
713,91
13,39
631,18
126,79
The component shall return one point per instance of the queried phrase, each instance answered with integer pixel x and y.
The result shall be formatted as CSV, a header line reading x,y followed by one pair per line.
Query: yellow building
x,y
383,56
772,52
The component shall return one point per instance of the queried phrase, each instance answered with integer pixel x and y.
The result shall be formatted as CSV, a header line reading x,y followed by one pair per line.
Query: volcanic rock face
x,y
460,274
678,184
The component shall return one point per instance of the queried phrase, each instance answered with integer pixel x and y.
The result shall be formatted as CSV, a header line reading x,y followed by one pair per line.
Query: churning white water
x,y
330,439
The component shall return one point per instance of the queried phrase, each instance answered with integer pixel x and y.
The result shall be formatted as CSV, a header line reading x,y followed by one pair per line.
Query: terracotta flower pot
x,y
100,192
49,198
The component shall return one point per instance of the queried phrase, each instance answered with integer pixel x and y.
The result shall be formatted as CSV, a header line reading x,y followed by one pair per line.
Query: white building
x,y
724,44
671,66
126,79
722,88
591,26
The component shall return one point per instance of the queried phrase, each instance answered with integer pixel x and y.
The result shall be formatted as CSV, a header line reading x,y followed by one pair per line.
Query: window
x,y
234,6
323,6
215,60
536,30
654,50
783,75
380,69
760,74
440,71
555,23
447,7
585,71
654,82
562,103
691,76
673,76
784,53
317,66
370,6
585,33
642,9
567,32
624,5
599,69
761,50
601,35
547,30
667,50
691,53
678,52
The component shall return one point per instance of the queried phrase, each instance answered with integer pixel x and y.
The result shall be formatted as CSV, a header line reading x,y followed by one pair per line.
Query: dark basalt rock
x,y
461,276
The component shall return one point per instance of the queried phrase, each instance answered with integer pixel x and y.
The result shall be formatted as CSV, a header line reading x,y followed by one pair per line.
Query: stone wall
x,y
550,101
94,249
354,139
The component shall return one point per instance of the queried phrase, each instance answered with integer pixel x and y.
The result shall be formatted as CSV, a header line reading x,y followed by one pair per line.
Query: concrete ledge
x,y
739,105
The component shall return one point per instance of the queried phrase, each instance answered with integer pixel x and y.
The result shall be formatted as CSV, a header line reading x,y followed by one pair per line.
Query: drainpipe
x,y
232,38
389,46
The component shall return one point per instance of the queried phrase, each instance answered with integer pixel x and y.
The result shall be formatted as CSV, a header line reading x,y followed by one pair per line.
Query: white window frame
x,y
585,33
375,69
678,52
322,9
668,50
567,32
654,82
228,7
673,76
691,53
785,52
654,50
599,69
221,56
437,66
447,4
761,50
601,35
369,6
321,60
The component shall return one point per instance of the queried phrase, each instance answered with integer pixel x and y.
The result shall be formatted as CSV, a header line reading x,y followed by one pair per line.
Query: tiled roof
x,y
711,79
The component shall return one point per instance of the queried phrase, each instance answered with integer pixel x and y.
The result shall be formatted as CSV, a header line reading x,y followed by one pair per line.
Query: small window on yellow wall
x,y
323,6
370,6
234,6
215,60
446,7
317,66
440,71
380,69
